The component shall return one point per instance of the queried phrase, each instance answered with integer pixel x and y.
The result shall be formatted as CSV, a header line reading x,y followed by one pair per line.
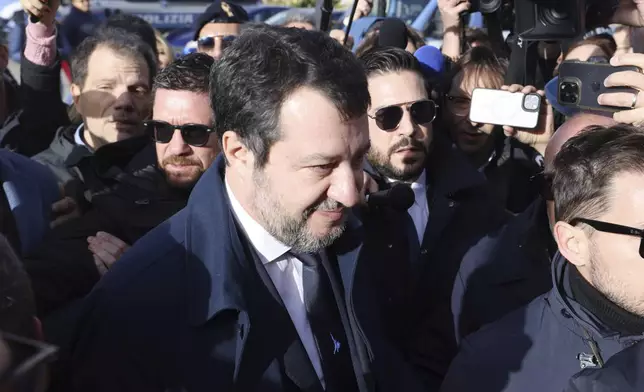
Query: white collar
x,y
268,246
78,138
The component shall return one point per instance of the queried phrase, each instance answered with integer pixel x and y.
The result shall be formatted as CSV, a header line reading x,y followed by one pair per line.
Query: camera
x,y
550,19
569,92
485,6
531,102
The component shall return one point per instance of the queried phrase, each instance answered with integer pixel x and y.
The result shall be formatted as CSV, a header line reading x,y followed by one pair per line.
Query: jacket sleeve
x,y
43,110
62,269
462,374
104,357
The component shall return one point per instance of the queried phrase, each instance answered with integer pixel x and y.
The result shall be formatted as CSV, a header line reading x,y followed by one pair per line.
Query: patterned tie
x,y
326,325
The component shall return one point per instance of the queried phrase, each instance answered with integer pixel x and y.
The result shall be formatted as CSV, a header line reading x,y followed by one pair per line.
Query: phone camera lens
x,y
531,102
569,93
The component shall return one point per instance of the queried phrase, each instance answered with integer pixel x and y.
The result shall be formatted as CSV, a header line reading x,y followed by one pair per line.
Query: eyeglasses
x,y
613,229
196,135
389,117
459,106
26,357
208,42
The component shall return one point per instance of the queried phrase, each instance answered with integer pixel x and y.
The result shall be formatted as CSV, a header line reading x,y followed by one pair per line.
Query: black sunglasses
x,y
422,112
207,43
194,134
613,229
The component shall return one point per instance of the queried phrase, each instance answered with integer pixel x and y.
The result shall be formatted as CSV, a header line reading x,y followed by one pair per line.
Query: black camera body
x,y
550,20
485,6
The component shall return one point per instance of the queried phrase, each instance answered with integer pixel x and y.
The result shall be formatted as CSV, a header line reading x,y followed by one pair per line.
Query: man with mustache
x,y
76,254
137,201
260,283
453,213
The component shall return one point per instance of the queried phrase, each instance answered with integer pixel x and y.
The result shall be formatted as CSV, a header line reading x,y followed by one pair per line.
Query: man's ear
x,y
573,243
238,156
75,90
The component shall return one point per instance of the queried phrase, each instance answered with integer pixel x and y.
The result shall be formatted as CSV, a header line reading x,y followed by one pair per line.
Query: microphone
x,y
393,32
431,60
399,197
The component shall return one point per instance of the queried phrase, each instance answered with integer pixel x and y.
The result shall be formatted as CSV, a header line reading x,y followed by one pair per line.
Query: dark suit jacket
x,y
184,310
418,283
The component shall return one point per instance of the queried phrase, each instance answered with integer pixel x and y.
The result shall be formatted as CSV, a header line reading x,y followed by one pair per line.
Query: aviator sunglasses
x,y
389,117
196,135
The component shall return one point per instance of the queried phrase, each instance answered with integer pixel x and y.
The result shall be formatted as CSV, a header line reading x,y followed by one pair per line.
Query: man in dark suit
x,y
424,290
259,283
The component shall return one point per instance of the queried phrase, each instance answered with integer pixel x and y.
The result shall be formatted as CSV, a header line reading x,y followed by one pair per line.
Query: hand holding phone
x,y
625,88
582,83
508,108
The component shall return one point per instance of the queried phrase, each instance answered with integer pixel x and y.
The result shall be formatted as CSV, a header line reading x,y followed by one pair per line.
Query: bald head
x,y
570,128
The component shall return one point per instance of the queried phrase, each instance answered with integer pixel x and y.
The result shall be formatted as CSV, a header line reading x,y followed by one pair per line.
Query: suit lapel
x,y
441,211
347,253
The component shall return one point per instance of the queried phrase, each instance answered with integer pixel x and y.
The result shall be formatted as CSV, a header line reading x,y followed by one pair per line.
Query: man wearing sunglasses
x,y
453,211
156,189
596,307
182,123
218,26
521,263
259,284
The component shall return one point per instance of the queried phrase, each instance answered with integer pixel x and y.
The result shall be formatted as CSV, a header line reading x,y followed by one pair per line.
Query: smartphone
x,y
580,83
500,107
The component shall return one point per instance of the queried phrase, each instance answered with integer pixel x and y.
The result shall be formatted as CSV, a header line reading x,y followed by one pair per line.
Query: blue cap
x,y
552,92
431,60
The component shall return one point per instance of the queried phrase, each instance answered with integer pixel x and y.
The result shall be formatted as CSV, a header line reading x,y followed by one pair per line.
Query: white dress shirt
x,y
78,138
419,211
285,272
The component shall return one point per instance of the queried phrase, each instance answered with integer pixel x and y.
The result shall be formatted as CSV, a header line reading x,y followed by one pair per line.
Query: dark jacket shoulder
x,y
623,373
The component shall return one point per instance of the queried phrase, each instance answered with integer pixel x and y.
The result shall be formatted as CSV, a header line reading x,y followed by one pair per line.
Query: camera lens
x,y
531,102
555,14
569,93
489,6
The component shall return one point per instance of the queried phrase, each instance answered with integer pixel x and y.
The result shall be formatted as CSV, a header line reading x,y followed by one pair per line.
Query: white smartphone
x,y
500,107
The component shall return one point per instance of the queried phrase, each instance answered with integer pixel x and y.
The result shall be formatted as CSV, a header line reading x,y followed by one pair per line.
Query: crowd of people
x,y
232,220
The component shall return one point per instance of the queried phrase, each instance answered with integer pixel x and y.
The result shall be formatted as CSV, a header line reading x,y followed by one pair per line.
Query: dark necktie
x,y
326,325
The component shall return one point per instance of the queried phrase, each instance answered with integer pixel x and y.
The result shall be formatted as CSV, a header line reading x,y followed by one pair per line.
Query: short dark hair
x,y
17,303
264,65
587,164
117,40
134,25
188,73
387,59
380,60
